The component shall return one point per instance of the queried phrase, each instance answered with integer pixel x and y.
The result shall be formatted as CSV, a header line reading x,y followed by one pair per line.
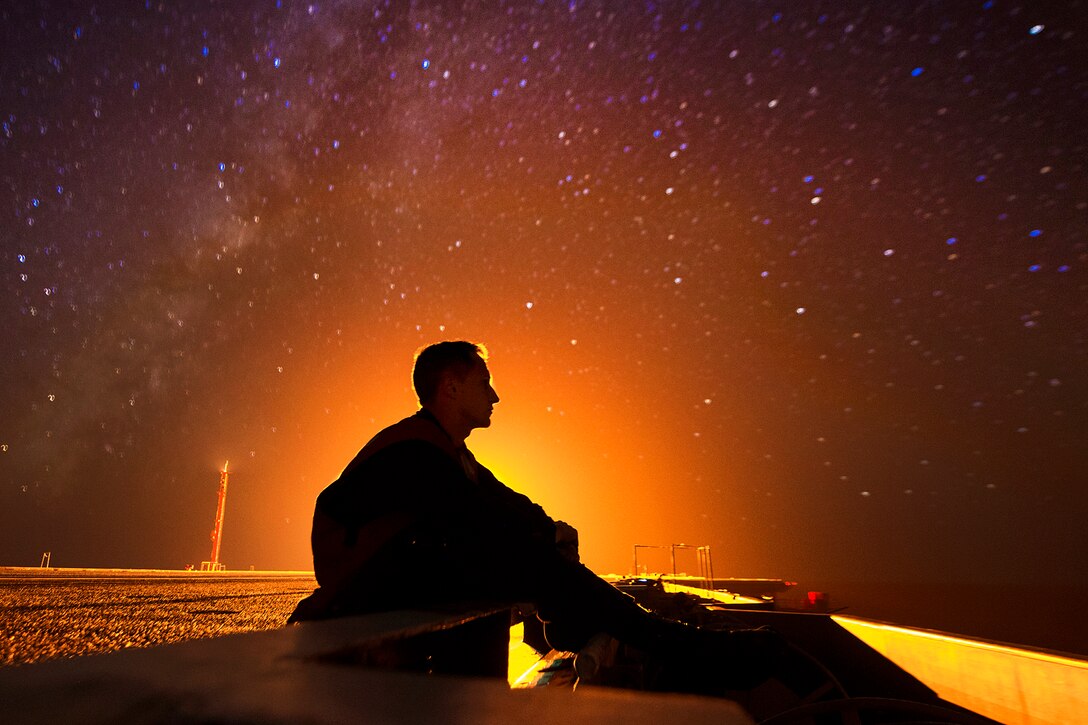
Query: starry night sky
x,y
805,282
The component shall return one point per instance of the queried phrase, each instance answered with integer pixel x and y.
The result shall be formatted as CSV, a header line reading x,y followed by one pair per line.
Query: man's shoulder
x,y
416,427
414,435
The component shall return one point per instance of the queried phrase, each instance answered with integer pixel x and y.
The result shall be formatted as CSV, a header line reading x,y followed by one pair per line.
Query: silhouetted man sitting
x,y
415,522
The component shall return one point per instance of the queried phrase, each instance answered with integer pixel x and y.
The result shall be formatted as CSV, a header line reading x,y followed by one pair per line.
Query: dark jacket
x,y
405,526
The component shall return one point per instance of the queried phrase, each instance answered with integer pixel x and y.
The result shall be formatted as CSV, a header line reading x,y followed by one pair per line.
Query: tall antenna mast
x,y
217,532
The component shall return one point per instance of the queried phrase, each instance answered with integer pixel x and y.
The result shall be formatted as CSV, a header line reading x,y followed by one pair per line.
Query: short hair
x,y
433,361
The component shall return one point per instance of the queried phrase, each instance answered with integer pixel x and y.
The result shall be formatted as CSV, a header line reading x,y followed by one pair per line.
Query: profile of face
x,y
475,397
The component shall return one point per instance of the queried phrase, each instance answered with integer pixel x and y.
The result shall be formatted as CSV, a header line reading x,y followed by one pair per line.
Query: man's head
x,y
452,381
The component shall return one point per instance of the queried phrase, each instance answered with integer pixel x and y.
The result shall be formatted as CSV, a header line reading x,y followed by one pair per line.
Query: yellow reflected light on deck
x,y
1008,684
522,659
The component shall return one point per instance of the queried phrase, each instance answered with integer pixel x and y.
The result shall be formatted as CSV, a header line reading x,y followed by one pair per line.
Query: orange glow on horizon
x,y
575,430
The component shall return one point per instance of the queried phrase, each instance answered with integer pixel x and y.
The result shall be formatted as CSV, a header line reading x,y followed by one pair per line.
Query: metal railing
x,y
702,558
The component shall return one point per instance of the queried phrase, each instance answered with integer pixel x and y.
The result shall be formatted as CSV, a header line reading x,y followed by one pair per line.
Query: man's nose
x,y
494,396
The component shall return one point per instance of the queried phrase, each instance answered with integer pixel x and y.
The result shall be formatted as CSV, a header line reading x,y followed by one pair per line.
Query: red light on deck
x,y
816,601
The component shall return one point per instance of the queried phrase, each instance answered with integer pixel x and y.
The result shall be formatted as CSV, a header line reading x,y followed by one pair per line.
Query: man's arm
x,y
374,502
533,517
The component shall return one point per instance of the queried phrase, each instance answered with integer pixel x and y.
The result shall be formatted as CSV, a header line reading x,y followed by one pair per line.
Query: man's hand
x,y
566,540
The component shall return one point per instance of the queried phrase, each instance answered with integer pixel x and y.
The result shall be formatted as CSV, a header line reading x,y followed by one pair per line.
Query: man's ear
x,y
448,385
